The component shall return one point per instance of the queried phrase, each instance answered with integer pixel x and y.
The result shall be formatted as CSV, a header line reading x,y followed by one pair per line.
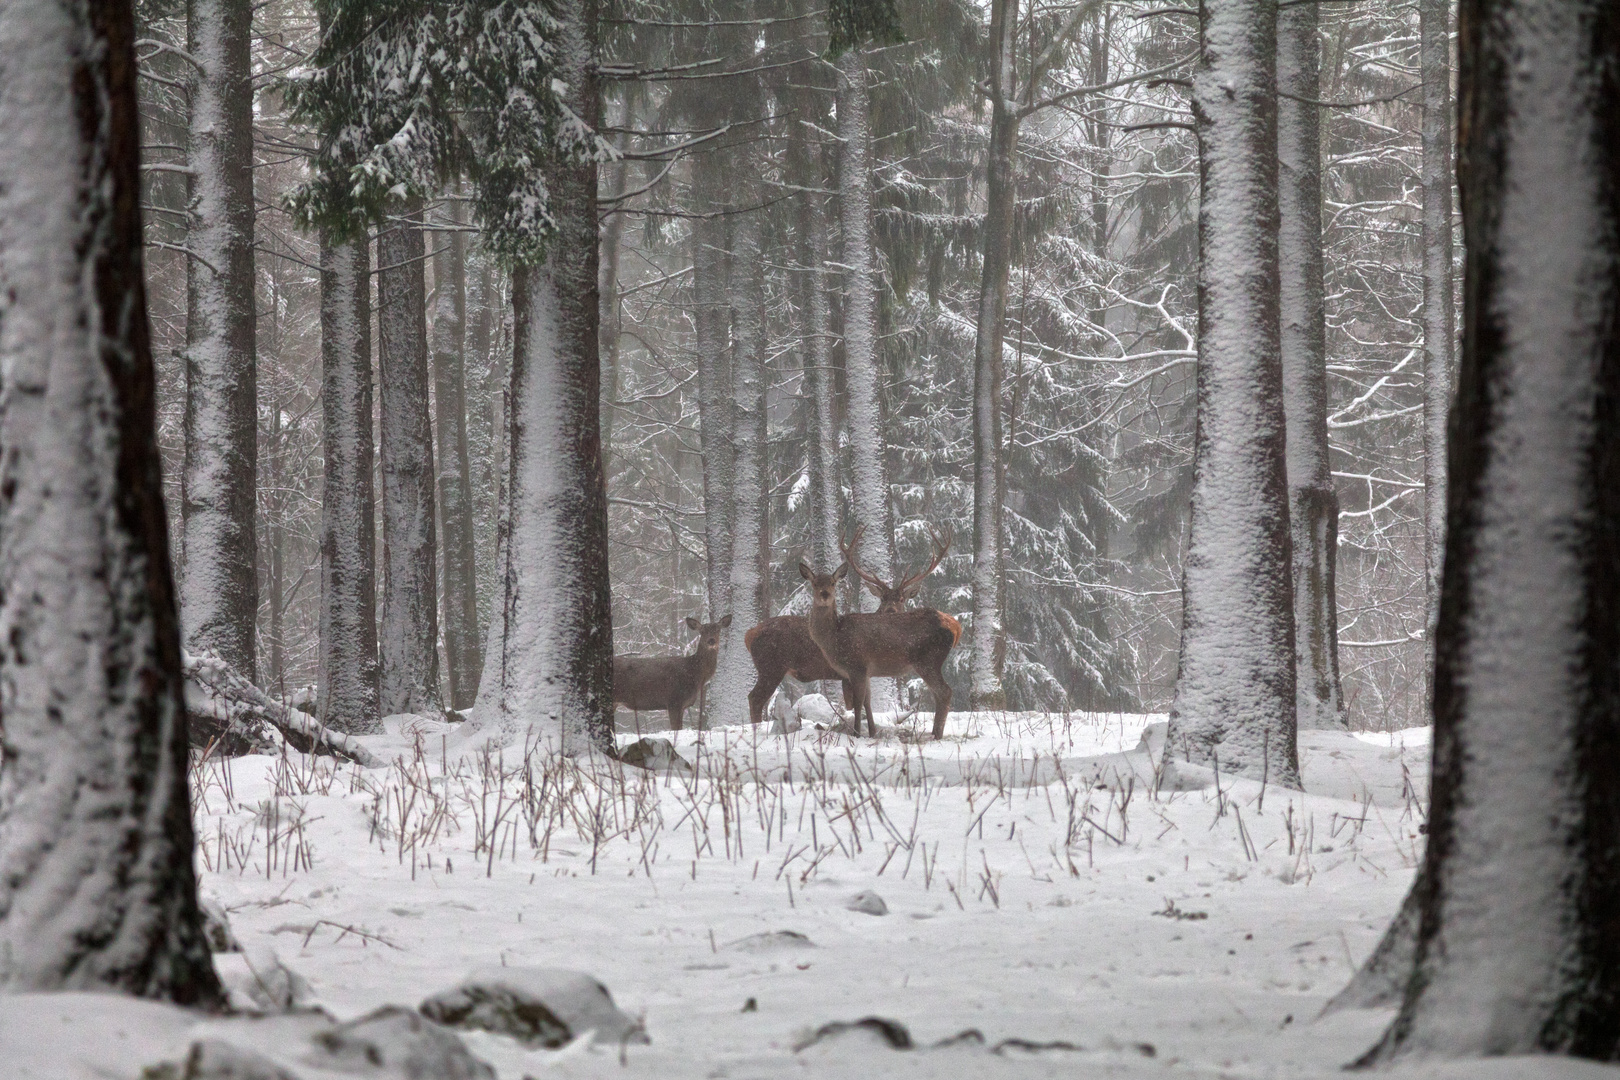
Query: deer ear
x,y
804,570
693,624
842,572
874,590
725,622
911,593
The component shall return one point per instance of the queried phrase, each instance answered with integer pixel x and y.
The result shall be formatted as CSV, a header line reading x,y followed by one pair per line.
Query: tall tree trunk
x,y
219,596
410,617
275,519
1313,505
1518,950
868,471
463,645
1234,702
485,433
612,239
551,669
1434,22
348,685
734,671
714,384
989,642
822,429
97,890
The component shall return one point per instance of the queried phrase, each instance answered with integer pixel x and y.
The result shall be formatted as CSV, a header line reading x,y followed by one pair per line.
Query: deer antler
x,y
848,551
941,546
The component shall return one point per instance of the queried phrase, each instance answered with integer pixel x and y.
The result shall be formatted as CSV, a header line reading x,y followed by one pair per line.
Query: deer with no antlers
x,y
669,682
782,645
862,646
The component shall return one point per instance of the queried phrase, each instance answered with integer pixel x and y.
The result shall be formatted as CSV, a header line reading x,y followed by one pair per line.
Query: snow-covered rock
x,y
781,713
257,981
217,927
867,902
815,709
867,1032
656,754
771,940
539,1006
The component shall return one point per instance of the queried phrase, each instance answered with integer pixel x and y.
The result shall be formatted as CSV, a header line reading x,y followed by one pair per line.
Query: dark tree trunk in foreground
x,y
410,615
463,646
1434,18
348,644
989,641
551,667
97,890
1234,702
1518,943
1313,505
219,596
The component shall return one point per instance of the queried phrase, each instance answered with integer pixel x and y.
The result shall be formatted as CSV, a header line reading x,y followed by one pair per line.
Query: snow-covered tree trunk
x,y
348,694
410,617
1313,505
219,592
1434,22
1517,946
712,317
463,644
1234,703
483,406
989,640
822,429
1518,951
868,472
97,890
612,303
550,671
734,671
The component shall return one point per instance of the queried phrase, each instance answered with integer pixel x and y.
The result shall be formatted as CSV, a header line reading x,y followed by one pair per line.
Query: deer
x,y
782,646
861,646
669,682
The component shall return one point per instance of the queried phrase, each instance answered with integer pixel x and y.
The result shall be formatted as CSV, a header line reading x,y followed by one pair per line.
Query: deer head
x,y
708,634
892,598
824,587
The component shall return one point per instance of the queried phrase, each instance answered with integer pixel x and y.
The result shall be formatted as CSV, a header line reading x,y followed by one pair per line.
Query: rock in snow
x,y
784,720
258,981
539,1006
217,927
868,903
869,1031
772,940
814,709
656,754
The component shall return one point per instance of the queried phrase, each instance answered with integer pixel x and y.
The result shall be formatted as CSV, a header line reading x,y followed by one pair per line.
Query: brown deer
x,y
669,682
861,646
782,645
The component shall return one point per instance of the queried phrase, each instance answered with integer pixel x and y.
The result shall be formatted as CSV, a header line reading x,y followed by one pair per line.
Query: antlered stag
x,y
669,682
862,646
782,645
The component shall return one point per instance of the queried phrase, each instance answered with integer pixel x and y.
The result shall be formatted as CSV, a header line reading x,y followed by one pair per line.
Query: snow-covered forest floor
x,y
1039,891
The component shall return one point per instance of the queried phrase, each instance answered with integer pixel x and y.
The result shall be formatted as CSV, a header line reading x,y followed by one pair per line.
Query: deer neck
x,y
824,629
703,663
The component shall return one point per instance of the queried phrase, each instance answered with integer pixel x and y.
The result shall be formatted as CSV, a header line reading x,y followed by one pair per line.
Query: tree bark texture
x,y
989,641
348,696
712,318
1518,947
1235,688
553,672
410,617
734,670
822,428
463,643
97,890
219,596
1434,21
1313,505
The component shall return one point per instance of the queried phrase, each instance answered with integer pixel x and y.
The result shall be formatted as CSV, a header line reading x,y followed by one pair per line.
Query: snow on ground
x,y
1038,889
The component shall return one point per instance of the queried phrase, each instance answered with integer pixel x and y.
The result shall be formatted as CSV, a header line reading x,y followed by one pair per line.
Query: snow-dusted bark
x,y
712,317
612,320
822,433
734,671
463,643
868,475
410,617
550,669
348,694
989,642
219,587
485,431
1434,20
97,890
1518,950
1313,505
1234,702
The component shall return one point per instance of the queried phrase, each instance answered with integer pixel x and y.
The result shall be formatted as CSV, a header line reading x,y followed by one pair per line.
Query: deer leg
x,y
675,713
760,695
942,700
